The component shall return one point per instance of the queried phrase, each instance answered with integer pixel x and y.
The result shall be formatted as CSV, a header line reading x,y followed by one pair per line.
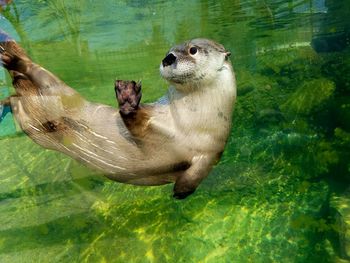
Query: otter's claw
x,y
128,95
2,52
5,57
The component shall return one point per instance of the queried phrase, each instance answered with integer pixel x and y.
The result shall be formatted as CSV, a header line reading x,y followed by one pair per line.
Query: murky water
x,y
281,192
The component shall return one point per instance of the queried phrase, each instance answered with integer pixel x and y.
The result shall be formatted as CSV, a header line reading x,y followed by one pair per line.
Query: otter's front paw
x,y
128,95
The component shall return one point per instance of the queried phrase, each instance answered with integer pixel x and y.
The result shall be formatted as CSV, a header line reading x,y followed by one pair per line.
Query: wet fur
x,y
176,140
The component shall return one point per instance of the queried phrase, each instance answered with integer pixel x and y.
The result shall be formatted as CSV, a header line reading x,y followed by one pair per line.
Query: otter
x,y
176,139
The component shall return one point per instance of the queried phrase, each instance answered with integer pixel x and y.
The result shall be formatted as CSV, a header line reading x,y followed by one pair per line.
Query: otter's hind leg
x,y
12,56
15,60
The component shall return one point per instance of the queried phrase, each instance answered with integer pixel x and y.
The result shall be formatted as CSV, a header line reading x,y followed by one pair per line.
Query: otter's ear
x,y
227,54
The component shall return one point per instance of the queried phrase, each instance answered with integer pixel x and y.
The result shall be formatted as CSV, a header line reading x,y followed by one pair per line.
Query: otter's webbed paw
x,y
10,61
128,95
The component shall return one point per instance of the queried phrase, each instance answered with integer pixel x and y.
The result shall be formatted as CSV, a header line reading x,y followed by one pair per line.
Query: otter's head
x,y
193,62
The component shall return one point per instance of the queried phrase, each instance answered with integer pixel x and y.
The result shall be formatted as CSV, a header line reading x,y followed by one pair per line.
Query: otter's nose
x,y
168,60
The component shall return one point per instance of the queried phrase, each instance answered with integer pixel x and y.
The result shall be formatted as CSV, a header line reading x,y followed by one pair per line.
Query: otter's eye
x,y
193,50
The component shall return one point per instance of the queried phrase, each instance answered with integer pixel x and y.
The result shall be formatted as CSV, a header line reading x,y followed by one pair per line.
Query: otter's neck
x,y
205,105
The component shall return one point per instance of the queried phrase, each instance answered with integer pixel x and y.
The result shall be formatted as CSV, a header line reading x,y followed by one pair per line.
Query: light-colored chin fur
x,y
182,138
182,82
203,109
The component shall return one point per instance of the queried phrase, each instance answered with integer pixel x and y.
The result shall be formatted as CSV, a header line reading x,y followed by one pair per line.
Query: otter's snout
x,y
169,59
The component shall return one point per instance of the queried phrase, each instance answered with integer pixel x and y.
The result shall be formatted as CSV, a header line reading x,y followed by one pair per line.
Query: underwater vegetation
x,y
281,192
292,123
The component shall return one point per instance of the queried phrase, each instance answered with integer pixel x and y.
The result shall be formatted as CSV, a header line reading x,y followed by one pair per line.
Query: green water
x,y
281,192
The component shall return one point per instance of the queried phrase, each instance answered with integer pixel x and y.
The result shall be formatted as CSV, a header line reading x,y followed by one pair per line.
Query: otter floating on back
x,y
177,139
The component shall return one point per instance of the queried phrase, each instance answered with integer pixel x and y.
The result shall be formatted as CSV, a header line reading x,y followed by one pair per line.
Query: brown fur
x,y
138,122
177,139
14,57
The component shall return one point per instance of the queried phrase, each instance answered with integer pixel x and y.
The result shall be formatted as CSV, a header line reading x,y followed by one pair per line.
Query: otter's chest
x,y
202,127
